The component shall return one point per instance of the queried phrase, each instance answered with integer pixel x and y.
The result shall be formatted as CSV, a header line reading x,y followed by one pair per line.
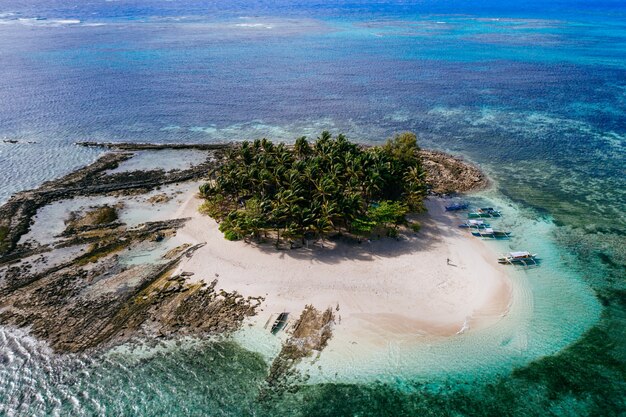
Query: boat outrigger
x,y
279,323
475,224
457,207
519,258
490,233
484,212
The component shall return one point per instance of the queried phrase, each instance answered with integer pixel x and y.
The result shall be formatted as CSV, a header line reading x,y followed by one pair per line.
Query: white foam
x,y
254,25
39,21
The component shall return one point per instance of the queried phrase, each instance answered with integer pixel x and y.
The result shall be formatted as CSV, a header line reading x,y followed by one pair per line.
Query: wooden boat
x,y
475,224
457,207
279,323
519,258
484,213
490,233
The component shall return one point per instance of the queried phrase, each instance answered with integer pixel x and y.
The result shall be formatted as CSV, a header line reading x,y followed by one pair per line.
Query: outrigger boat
x,y
279,323
489,232
519,258
475,224
457,207
484,212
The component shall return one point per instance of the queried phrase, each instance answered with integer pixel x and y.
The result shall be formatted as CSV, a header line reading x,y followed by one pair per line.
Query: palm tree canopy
x,y
331,185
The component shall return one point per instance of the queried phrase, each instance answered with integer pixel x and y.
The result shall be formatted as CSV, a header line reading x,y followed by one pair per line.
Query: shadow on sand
x,y
341,249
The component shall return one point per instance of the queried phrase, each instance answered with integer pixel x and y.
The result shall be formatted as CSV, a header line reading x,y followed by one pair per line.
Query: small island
x,y
326,246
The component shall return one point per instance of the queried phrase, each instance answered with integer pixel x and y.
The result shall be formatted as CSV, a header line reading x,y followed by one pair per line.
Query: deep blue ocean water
x,y
534,92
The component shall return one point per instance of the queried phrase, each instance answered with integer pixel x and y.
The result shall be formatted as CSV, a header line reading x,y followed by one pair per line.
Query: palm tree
x,y
321,227
302,148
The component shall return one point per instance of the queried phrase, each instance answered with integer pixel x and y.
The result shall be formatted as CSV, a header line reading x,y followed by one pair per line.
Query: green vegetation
x,y
415,226
313,190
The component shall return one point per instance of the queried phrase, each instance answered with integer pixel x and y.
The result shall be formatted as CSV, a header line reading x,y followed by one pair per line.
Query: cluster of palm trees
x,y
311,190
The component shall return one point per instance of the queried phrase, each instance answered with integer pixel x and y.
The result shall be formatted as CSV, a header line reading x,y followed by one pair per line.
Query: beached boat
x,y
484,213
475,224
457,207
279,323
490,233
519,258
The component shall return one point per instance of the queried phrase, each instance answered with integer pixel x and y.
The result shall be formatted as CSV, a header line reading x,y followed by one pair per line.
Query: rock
x,y
159,198
448,174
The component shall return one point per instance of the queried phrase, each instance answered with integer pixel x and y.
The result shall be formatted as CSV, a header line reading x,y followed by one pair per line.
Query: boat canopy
x,y
489,230
520,254
476,222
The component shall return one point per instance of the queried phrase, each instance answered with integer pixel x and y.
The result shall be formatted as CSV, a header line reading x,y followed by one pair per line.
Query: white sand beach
x,y
381,289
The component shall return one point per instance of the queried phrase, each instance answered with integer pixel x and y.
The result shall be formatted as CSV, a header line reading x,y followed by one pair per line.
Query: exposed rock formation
x,y
159,199
78,293
93,218
448,174
310,334
16,214
124,146
77,306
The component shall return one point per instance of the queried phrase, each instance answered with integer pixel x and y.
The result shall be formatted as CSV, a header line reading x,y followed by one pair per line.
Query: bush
x,y
213,206
230,235
416,226
388,212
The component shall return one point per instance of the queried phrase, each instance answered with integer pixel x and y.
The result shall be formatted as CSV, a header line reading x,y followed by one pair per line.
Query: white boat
x,y
475,224
490,233
519,258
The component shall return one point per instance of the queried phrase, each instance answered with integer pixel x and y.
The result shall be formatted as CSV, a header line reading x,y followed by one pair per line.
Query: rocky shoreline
x,y
82,281
16,214
447,174
310,334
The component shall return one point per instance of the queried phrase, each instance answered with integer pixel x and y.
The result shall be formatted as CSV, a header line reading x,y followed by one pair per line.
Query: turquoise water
x,y
533,92
551,308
